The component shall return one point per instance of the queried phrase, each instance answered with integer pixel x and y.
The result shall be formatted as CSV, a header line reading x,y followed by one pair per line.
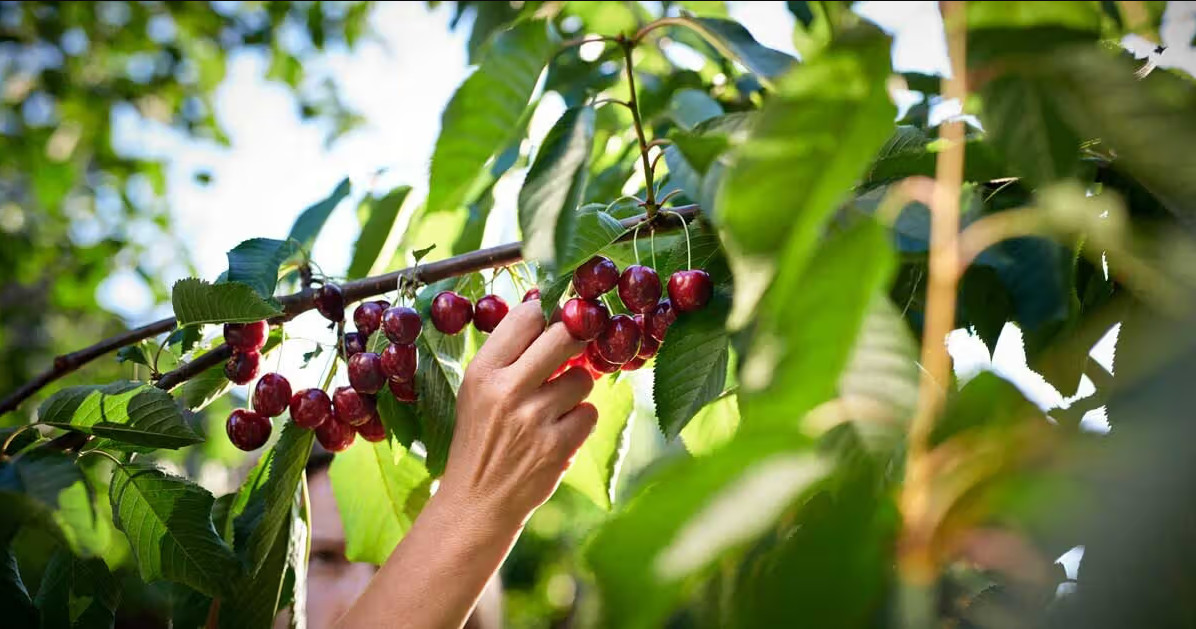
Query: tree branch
x,y
299,303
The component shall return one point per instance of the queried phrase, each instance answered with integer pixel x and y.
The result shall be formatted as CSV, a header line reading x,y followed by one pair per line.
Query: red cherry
x,y
271,395
399,361
383,303
403,391
373,430
489,312
596,362
532,293
639,288
351,407
657,321
595,277
451,312
311,408
248,430
246,337
648,344
619,341
690,290
365,372
242,367
634,363
330,301
335,436
401,325
355,343
368,317
584,318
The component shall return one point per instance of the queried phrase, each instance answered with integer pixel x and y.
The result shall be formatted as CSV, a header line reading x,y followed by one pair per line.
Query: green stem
x,y
650,203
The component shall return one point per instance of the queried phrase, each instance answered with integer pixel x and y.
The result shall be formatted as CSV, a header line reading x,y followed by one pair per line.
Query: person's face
x,y
333,582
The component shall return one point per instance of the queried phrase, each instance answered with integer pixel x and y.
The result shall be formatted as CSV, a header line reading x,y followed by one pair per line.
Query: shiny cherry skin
x,y
373,430
489,312
639,288
619,341
271,395
401,324
451,312
658,321
311,408
634,363
365,372
403,391
242,367
399,362
246,337
595,277
248,430
351,407
648,343
335,436
355,343
596,362
368,317
690,290
584,318
330,302
532,293
383,304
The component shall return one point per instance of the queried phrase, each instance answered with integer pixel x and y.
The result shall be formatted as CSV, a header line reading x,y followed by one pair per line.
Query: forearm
x,y
435,575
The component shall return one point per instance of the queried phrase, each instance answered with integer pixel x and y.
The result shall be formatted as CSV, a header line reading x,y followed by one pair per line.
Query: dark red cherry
x,y
242,367
248,430
532,293
351,407
246,337
658,321
619,341
595,277
330,302
373,430
596,362
403,391
271,395
690,290
634,363
335,436
311,408
355,343
399,362
489,312
451,312
383,303
648,343
639,288
401,325
584,318
368,317
365,372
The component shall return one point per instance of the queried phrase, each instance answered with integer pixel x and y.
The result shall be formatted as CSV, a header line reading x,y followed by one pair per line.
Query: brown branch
x,y
296,304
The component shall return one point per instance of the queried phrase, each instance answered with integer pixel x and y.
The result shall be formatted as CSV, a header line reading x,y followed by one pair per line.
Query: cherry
x,y
648,343
355,343
657,321
351,407
584,318
532,293
311,408
242,366
368,317
383,303
399,361
595,277
271,395
690,290
451,312
330,301
489,312
634,363
596,363
401,325
619,341
248,430
639,288
246,337
335,436
365,372
403,391
373,430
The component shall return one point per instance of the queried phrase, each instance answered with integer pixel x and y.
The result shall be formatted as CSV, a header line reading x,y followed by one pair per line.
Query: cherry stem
x,y
669,196
613,101
98,451
652,244
635,236
650,203
689,255
9,440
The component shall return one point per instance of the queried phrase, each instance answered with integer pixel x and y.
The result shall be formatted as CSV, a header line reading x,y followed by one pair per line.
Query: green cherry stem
x,y
689,255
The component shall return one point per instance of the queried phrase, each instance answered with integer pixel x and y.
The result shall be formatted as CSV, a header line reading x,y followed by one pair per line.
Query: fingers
x,y
548,352
573,428
512,337
554,399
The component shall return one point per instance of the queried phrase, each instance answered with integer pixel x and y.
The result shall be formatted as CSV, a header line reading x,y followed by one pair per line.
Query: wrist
x,y
466,503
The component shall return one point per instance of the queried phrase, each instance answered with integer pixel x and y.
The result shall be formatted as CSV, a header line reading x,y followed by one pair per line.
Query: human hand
x,y
516,433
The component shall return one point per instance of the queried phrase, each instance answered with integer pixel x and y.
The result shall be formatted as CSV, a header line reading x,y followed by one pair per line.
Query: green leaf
x,y
1084,16
168,521
554,186
592,231
196,393
437,380
129,412
691,367
551,292
485,111
733,40
596,465
419,254
77,593
689,515
712,427
46,489
1030,129
400,418
184,338
370,254
257,599
307,227
691,107
255,263
196,301
909,151
270,504
379,490
14,598
132,354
